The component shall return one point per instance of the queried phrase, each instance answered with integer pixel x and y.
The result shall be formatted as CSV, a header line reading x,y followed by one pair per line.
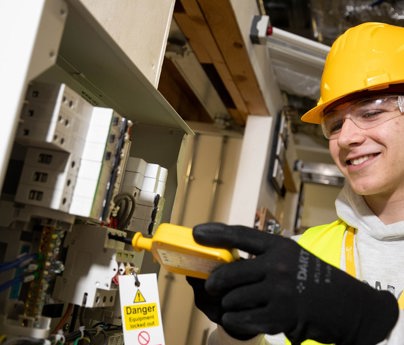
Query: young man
x,y
346,285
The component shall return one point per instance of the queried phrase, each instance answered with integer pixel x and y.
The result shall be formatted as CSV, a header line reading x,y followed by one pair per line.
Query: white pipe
x,y
298,41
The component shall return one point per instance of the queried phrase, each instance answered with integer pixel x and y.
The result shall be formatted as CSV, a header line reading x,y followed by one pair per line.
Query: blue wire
x,y
5,266
16,280
12,282
376,3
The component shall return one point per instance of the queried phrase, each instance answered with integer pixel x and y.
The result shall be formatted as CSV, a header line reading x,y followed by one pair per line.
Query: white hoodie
x,y
379,259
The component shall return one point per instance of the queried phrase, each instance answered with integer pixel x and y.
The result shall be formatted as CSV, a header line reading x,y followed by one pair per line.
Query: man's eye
x,y
371,114
335,126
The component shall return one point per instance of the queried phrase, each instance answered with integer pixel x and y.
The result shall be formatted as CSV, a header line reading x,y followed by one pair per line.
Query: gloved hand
x,y
211,306
284,288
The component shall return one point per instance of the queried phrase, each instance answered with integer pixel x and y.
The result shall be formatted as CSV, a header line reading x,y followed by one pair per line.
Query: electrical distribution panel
x,y
70,183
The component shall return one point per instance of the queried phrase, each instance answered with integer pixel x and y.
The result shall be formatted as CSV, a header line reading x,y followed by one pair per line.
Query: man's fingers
x,y
254,321
229,276
236,236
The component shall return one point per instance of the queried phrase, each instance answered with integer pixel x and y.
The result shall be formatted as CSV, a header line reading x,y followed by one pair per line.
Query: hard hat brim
x,y
314,114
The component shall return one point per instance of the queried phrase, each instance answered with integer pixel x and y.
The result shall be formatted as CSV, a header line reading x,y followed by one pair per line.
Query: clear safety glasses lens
x,y
365,114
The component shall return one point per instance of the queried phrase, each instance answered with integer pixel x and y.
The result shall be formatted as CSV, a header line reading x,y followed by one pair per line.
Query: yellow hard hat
x,y
367,57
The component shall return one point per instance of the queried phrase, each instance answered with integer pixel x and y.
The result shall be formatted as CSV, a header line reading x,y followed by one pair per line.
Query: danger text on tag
x,y
141,316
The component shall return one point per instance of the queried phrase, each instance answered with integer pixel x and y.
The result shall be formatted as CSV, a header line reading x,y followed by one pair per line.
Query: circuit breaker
x,y
72,100
69,184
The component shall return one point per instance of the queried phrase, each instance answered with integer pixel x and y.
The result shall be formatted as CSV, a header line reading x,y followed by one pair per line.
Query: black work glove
x,y
284,288
211,306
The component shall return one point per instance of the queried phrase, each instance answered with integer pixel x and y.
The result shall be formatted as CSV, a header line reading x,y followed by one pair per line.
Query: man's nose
x,y
350,133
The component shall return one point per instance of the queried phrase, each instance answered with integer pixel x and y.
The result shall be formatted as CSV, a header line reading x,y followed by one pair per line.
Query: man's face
x,y
372,160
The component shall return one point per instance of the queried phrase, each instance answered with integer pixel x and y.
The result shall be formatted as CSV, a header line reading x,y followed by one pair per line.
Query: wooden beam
x,y
178,93
187,26
192,23
220,18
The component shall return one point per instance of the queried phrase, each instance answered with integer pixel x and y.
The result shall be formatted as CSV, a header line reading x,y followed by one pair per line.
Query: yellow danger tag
x,y
141,316
140,308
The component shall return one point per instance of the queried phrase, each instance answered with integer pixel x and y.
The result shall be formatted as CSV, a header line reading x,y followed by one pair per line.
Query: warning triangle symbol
x,y
139,297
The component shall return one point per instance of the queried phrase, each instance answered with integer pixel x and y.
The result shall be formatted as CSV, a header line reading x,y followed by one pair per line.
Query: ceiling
x,y
198,53
302,33
323,20
319,22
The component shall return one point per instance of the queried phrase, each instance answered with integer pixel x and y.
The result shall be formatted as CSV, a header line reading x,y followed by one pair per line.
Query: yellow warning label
x,y
139,297
140,316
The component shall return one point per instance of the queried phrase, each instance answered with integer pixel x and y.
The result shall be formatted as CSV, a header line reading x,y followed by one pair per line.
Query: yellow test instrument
x,y
174,247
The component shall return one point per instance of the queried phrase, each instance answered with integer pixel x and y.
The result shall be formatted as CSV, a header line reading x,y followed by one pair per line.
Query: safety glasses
x,y
365,113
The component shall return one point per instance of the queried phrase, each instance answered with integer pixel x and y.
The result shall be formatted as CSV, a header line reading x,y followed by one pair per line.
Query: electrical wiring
x,y
78,314
73,320
82,338
126,204
119,238
124,223
77,335
104,334
22,278
107,327
81,333
100,329
21,261
64,318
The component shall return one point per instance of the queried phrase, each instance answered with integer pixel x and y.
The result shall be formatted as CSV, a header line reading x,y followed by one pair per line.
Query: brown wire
x,y
64,318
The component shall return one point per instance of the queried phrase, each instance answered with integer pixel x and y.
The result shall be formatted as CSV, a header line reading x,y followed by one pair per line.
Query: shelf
x,y
93,64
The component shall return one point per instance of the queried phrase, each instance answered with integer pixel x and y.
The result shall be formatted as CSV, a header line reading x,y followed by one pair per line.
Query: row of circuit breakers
x,y
70,182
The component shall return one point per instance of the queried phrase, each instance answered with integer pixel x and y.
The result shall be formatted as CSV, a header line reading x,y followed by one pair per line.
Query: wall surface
x,y
252,190
206,181
318,206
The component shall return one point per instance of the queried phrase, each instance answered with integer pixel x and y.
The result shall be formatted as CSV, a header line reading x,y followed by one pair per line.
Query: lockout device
x,y
174,247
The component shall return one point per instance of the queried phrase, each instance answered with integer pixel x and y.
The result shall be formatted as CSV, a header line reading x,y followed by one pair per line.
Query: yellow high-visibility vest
x,y
326,242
